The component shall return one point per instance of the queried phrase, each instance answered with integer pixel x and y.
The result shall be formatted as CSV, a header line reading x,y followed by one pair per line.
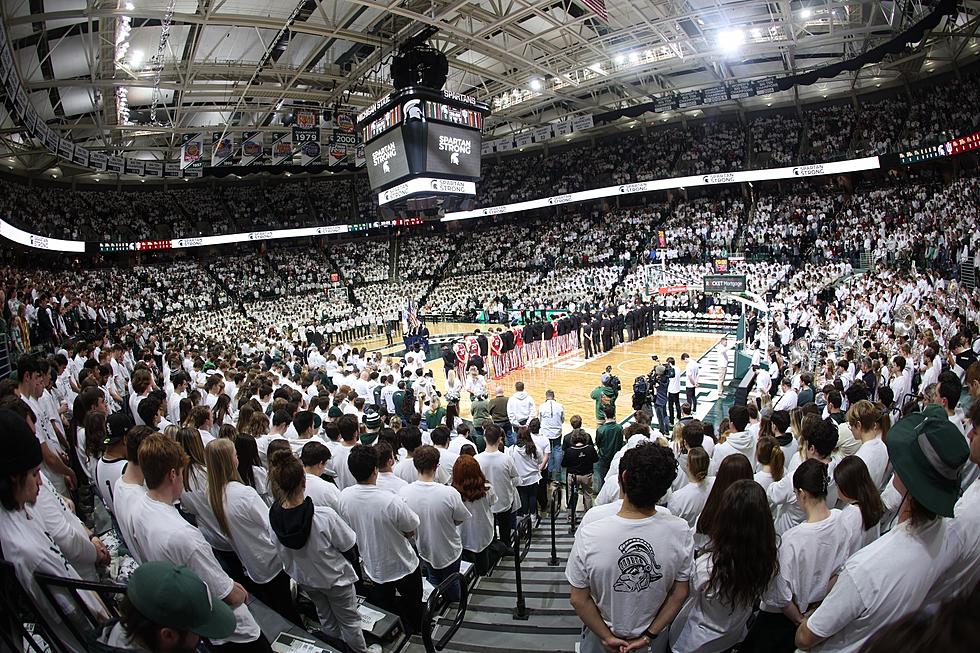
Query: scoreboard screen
x,y
386,159
452,151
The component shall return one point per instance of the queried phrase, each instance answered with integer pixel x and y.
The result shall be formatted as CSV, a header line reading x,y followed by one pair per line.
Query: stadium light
x,y
805,13
535,85
136,58
130,6
731,39
620,59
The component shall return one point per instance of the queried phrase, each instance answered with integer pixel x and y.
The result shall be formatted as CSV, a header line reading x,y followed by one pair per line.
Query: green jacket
x,y
434,419
598,394
609,440
480,411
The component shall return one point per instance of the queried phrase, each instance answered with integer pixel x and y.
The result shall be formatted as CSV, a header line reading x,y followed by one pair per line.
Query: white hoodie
x,y
742,442
520,408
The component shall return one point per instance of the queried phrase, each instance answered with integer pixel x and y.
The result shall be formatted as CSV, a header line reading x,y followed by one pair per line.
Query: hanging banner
x,y
306,136
98,161
338,154
582,122
135,167
360,160
542,134
222,148
81,156
251,152
282,149
116,164
51,141
171,169
6,62
563,128
486,147
192,151
66,149
344,120
505,144
153,168
523,140
30,120
20,102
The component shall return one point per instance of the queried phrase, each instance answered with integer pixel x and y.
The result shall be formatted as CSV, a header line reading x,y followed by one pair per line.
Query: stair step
x,y
510,634
539,573
555,585
537,622
557,605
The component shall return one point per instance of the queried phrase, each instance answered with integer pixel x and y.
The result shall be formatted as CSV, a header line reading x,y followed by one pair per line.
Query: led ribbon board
x,y
815,170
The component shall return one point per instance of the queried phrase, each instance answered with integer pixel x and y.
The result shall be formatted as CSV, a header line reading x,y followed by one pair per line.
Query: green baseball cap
x,y
173,596
928,452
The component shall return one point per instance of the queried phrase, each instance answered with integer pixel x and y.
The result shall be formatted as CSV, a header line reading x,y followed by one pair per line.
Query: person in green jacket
x,y
435,413
609,440
480,410
602,396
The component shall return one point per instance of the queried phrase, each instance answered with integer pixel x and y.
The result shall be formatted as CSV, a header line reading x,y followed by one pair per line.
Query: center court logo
x,y
808,171
720,178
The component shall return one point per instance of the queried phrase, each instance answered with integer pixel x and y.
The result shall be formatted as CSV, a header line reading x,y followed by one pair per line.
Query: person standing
x,y
440,511
502,475
662,376
580,460
609,440
520,407
673,392
629,572
476,533
552,417
384,525
528,460
691,373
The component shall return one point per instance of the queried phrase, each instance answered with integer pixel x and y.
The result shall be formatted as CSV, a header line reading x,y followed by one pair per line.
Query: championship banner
x,y
563,128
505,144
30,120
252,145
486,147
6,62
337,153
360,160
116,164
66,149
222,147
135,167
582,122
171,169
98,161
542,134
306,136
282,149
81,156
20,102
344,120
192,151
153,168
51,141
523,140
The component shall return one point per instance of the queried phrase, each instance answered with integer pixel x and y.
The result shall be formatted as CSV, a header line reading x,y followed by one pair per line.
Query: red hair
x,y
468,479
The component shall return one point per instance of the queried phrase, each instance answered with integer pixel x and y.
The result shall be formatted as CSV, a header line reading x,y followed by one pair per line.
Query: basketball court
x,y
573,378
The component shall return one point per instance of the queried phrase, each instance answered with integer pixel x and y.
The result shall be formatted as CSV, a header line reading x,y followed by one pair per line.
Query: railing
x,y
555,509
432,606
521,535
572,505
68,591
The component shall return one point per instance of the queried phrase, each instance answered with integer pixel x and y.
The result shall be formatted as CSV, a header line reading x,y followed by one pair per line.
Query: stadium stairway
x,y
489,626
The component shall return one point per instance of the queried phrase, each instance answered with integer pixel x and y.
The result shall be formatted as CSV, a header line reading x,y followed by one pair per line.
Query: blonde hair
x,y
220,455
190,440
864,415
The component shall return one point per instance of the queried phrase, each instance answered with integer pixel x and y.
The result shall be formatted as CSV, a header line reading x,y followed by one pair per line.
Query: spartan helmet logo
x,y
454,158
637,566
385,167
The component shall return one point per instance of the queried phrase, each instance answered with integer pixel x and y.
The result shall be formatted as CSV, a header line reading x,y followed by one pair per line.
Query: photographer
x,y
606,393
659,382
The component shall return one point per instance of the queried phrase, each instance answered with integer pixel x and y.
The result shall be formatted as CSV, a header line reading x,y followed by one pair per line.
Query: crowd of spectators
x,y
830,128
775,140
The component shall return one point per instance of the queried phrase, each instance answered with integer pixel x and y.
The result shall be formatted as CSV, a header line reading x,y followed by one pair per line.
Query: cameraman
x,y
659,382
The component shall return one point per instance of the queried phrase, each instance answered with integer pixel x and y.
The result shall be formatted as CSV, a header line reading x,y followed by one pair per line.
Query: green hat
x,y
174,597
335,412
927,452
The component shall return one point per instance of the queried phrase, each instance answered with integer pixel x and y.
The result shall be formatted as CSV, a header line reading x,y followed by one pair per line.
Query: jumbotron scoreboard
x,y
422,142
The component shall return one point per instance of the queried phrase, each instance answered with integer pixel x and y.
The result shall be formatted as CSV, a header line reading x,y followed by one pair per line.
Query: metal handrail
x,y
105,591
572,505
523,526
555,508
429,613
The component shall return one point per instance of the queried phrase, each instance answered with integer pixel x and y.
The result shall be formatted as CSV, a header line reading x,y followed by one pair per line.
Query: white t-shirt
x,y
501,474
388,481
248,526
381,519
162,534
688,502
195,502
527,467
809,554
320,563
126,499
857,536
874,453
476,533
447,459
595,513
405,470
439,508
107,472
707,623
879,584
962,550
322,493
763,478
262,444
344,478
629,565
67,531
782,497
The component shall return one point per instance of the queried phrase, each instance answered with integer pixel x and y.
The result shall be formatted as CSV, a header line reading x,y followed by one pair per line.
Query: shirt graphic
x,y
638,566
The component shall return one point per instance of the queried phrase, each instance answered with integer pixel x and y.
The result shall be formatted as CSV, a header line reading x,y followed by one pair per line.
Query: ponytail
x,y
524,439
854,481
697,462
768,452
811,476
286,475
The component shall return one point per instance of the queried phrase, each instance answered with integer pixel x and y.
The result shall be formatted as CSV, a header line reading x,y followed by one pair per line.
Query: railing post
x,y
520,612
555,505
572,505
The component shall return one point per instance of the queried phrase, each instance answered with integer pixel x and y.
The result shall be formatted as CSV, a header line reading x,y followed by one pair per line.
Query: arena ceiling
x,y
179,65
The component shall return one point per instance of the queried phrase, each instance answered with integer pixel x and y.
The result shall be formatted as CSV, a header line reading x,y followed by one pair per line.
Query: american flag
x,y
598,7
411,316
